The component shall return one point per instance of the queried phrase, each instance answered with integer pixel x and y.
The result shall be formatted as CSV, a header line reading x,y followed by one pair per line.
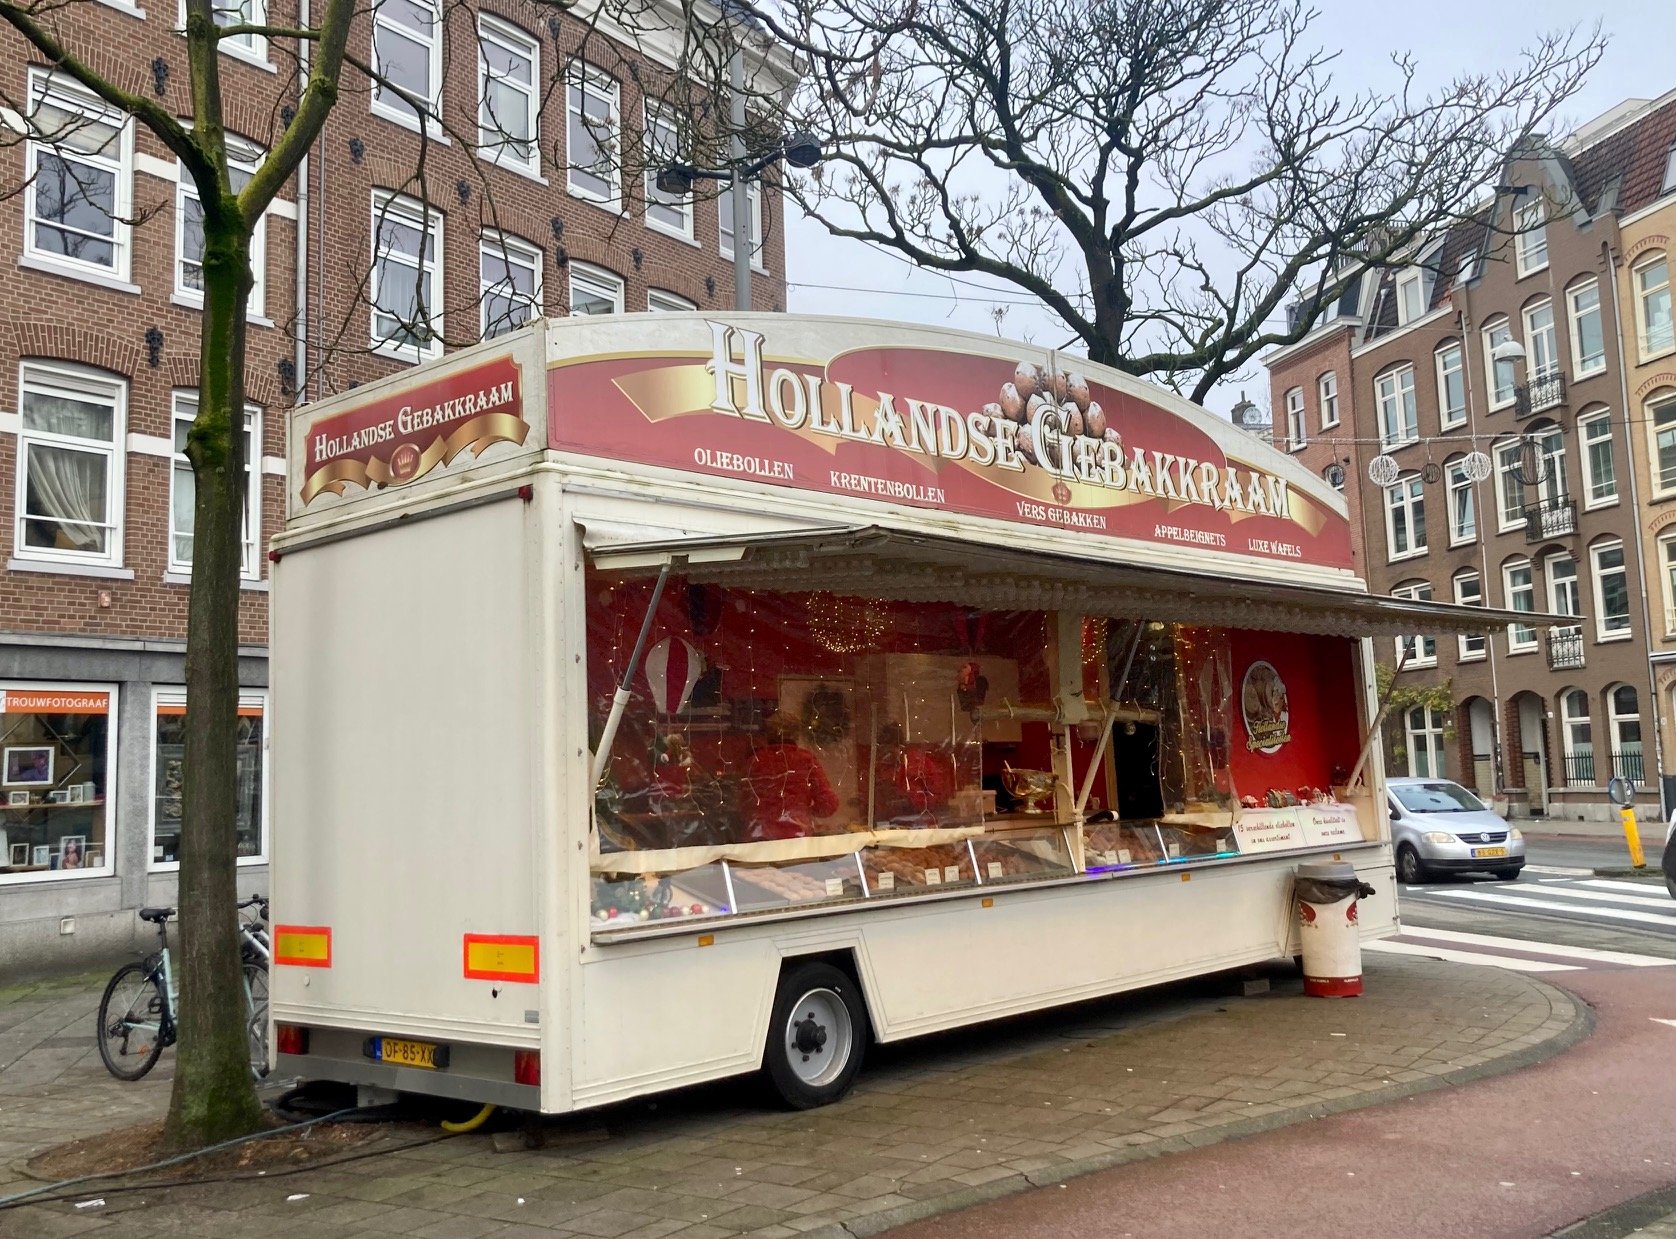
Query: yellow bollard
x,y
1632,836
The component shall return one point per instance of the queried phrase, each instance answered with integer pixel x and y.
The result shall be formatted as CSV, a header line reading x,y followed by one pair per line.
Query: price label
x,y
1123,856
834,887
933,877
994,869
887,882
951,873
1175,851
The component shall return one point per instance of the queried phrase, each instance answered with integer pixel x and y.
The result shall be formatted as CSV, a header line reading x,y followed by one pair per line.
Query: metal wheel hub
x,y
818,1037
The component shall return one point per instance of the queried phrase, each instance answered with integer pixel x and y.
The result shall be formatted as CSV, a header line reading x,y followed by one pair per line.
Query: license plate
x,y
1481,853
412,1053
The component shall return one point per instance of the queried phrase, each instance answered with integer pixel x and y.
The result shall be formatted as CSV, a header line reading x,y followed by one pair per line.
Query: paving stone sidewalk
x,y
931,1127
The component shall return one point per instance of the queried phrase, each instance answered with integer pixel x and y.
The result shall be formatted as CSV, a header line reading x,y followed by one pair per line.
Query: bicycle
x,y
137,1013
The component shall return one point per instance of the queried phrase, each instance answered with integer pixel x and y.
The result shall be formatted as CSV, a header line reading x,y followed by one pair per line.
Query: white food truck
x,y
663,697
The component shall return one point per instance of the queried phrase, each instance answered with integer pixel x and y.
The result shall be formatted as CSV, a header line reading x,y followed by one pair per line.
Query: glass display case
x,y
1023,854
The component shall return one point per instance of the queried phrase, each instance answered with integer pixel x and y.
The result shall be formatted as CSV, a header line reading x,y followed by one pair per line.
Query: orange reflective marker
x,y
498,957
303,946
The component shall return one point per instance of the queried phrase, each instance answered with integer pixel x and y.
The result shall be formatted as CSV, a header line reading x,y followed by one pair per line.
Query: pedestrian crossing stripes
x,y
1514,954
1558,871
1548,903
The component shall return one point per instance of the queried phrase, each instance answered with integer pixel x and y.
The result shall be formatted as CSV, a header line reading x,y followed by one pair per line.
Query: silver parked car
x,y
1440,827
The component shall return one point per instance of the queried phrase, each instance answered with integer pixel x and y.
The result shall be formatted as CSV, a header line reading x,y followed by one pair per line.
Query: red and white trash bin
x,y
1326,894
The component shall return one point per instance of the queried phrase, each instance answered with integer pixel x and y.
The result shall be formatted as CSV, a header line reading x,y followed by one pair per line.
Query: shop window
x,y
56,746
70,485
1451,385
1600,473
508,103
168,760
594,132
406,277
407,52
1469,592
79,180
509,272
667,212
183,490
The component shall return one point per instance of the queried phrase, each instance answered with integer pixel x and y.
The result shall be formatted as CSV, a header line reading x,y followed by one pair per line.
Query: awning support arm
x,y
1110,713
1378,721
619,702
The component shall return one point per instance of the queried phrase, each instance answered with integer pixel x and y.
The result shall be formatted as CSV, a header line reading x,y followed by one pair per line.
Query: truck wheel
x,y
816,1037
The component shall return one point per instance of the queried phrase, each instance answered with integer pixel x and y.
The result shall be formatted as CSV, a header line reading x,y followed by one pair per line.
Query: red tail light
x,y
291,1038
526,1066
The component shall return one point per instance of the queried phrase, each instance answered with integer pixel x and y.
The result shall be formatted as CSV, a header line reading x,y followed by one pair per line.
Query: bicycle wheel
x,y
256,1015
131,1022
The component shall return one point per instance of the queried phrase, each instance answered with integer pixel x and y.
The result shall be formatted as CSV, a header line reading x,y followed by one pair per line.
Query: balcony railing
x,y
1565,647
1538,395
1557,518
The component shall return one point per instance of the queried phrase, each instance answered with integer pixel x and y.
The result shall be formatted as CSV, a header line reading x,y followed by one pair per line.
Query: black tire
x,y
134,997
817,1036
1509,875
1410,869
256,1018
1670,885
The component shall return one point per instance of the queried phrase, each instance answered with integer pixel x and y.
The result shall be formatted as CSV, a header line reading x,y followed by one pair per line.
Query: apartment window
x,y
242,159
1296,437
1623,718
1326,390
1577,738
1667,577
594,290
1530,238
1600,473
183,490
80,178
1588,339
1652,301
70,464
1425,743
594,131
168,763
508,106
1463,504
1411,297
509,274
1510,490
1416,650
1661,424
1611,590
249,45
1551,487
671,213
1564,598
407,51
1542,354
1405,517
1668,184
1520,591
724,220
406,277
657,299
1499,374
1451,385
1399,418
1469,592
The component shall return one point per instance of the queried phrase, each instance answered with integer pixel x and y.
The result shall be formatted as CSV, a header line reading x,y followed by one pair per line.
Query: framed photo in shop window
x,y
27,765
18,800
59,795
19,855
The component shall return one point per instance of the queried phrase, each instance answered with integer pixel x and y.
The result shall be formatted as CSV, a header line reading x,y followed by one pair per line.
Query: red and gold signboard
x,y
886,418
398,438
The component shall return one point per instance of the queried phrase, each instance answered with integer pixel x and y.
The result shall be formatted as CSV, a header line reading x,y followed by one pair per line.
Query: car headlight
x,y
1439,836
1515,833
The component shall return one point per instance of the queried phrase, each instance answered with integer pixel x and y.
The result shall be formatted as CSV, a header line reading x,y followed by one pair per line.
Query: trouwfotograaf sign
x,y
875,416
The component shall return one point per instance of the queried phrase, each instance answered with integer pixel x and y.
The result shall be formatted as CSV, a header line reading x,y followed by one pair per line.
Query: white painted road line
x,y
1540,948
1644,888
1644,900
1560,871
1511,963
1559,905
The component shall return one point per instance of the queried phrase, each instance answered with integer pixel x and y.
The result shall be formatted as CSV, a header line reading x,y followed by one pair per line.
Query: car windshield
x,y
1439,797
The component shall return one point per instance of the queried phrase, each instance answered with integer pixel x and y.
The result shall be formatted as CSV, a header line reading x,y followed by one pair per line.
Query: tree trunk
x,y
214,1097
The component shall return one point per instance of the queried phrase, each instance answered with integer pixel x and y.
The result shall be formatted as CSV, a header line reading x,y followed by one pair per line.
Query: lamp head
x,y
1508,350
802,149
676,179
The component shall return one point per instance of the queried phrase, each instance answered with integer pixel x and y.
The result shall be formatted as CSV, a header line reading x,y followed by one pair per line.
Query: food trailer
x,y
663,697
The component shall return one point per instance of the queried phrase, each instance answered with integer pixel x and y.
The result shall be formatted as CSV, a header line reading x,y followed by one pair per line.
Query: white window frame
x,y
1667,578
657,118
581,80
1667,183
1571,746
1661,404
598,281
1472,646
1420,648
664,302
243,158
1297,432
1565,593
1409,493
1594,429
64,94
250,47
1448,418
724,229
514,251
1615,724
80,383
1504,486
395,108
1457,483
1411,285
1393,393
1575,314
1494,333
183,407
113,787
1326,393
408,212
1542,340
1602,632
1530,238
248,698
1554,486
1521,638
1429,733
1644,293
492,140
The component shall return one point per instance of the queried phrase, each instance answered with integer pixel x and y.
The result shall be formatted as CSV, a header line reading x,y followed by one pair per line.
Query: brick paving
x,y
930,1127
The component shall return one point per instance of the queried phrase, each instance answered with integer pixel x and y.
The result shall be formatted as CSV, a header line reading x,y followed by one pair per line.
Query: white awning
x,y
870,562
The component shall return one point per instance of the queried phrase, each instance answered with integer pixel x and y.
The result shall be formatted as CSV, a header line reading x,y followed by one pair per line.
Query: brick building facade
x,y
99,328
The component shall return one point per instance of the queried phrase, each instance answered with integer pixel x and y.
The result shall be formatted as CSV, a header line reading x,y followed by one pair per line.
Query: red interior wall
x,y
1322,690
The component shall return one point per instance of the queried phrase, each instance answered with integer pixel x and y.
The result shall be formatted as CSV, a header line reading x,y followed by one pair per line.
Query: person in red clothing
x,y
914,780
785,785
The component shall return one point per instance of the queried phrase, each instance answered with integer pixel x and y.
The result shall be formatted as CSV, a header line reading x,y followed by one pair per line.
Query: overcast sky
x,y
1448,37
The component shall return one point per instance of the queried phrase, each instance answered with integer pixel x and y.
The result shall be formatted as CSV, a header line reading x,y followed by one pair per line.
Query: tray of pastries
x,y
891,869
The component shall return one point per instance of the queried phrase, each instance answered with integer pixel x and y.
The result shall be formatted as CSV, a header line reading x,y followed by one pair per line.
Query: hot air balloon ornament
x,y
673,668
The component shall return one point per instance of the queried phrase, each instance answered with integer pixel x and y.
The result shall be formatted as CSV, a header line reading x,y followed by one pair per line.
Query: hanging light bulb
x,y
845,625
